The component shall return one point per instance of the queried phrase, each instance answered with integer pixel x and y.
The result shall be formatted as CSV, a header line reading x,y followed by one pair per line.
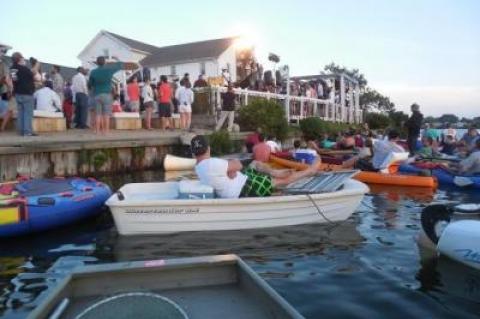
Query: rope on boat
x,y
318,209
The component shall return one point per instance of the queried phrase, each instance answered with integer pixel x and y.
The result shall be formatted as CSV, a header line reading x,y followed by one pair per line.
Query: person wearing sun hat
x,y
230,180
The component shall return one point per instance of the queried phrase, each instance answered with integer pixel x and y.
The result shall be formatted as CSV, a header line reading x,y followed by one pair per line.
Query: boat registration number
x,y
164,211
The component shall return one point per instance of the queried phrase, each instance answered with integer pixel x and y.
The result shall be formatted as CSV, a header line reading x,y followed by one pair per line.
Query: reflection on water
x,y
367,267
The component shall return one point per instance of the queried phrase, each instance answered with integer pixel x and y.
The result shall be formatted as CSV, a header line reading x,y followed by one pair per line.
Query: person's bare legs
x,y
188,123
148,118
295,176
98,123
6,119
163,123
266,169
183,120
106,123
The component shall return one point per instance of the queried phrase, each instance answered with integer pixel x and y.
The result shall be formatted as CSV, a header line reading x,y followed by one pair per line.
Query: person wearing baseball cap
x,y
230,180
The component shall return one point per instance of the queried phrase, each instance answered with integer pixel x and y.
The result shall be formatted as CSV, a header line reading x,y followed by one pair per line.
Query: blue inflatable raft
x,y
41,204
443,176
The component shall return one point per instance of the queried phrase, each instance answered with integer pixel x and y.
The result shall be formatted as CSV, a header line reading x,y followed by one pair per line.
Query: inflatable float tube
x,y
443,176
43,204
460,238
366,177
177,163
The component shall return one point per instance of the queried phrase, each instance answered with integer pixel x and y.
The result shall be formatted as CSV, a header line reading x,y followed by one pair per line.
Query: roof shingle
x,y
187,52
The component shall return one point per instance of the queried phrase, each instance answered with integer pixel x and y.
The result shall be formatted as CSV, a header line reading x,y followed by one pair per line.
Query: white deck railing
x,y
296,107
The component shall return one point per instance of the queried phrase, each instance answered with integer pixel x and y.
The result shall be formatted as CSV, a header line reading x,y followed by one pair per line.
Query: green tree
x,y
377,121
354,73
267,115
371,99
448,118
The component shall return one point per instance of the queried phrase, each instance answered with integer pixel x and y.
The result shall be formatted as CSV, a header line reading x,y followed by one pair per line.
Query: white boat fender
x,y
431,216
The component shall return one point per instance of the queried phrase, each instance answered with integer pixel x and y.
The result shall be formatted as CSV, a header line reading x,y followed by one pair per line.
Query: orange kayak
x,y
366,177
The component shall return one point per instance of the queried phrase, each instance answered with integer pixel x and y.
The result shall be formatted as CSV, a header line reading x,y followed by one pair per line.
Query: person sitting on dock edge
x,y
230,180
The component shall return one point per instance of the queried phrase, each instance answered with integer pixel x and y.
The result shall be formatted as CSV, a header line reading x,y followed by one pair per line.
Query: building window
x,y
202,68
173,70
106,53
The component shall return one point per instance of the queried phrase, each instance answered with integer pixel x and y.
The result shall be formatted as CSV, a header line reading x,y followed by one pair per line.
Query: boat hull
x,y
460,241
142,216
367,177
84,201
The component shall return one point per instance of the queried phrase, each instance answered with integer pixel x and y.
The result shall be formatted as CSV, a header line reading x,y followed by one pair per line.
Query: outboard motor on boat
x,y
460,238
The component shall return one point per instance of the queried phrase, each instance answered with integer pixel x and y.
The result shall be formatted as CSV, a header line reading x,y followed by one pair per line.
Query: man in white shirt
x,y
229,181
80,98
46,99
383,154
471,165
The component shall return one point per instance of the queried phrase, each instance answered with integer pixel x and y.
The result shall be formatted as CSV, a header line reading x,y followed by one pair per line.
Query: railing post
x,y
302,103
246,96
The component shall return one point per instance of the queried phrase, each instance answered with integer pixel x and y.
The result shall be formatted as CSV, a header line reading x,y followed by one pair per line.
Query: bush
x,y
220,143
265,114
313,128
377,121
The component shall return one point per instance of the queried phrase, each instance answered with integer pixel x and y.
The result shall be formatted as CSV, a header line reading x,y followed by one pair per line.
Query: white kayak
x,y
159,208
176,163
460,237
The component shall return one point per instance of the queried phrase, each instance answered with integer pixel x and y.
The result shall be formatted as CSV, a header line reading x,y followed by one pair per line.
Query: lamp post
x,y
275,59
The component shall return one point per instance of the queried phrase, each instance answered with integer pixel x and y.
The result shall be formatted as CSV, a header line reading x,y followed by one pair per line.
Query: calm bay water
x,y
367,267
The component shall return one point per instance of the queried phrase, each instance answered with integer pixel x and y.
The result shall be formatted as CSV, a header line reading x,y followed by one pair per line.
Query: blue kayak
x,y
41,204
443,176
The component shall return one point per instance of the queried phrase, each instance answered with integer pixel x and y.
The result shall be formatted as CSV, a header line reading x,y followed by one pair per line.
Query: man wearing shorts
x,y
100,81
164,100
229,181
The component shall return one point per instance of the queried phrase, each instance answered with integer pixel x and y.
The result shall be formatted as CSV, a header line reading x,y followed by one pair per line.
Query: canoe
x,y
176,163
211,287
159,208
460,238
366,177
443,176
42,204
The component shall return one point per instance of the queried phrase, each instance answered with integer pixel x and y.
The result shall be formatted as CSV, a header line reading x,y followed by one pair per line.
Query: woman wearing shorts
x,y
147,94
164,101
184,95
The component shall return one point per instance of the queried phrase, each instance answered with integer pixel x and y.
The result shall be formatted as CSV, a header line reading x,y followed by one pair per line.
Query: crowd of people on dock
x,y
90,98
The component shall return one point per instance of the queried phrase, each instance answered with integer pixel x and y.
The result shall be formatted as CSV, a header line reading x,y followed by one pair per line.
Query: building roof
x,y
66,72
134,44
187,52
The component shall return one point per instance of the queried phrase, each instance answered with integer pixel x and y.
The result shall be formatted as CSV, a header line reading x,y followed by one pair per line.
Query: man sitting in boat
x,y
471,165
261,151
229,181
383,153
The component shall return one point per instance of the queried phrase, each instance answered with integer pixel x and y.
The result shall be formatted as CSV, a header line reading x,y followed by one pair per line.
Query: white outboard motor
x,y
460,239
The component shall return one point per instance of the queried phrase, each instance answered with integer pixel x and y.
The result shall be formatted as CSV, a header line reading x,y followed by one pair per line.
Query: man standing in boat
x,y
413,125
230,180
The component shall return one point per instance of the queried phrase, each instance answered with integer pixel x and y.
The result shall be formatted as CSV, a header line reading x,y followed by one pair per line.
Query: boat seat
x,y
468,208
194,190
320,183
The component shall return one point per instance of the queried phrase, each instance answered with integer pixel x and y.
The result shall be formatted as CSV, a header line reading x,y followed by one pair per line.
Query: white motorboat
x,y
169,207
453,232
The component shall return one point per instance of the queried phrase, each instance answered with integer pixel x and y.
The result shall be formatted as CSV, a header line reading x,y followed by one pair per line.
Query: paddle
x,y
462,181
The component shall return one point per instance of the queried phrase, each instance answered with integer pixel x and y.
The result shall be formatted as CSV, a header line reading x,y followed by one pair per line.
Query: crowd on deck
x,y
90,98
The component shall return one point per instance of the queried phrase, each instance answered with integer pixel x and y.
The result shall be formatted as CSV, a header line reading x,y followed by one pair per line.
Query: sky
x,y
423,51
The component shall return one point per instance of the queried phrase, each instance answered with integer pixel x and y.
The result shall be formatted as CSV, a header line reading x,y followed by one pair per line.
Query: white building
x,y
208,57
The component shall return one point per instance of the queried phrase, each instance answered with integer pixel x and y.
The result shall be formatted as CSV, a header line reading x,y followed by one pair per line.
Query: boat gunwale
x,y
351,188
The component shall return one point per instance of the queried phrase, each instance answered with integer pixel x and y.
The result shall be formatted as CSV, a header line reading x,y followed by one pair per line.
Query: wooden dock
x,y
82,152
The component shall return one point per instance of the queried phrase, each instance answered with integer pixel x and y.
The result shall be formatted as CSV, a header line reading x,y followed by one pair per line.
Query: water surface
x,y
367,267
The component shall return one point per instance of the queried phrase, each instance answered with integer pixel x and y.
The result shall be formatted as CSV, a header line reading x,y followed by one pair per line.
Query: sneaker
x,y
30,134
